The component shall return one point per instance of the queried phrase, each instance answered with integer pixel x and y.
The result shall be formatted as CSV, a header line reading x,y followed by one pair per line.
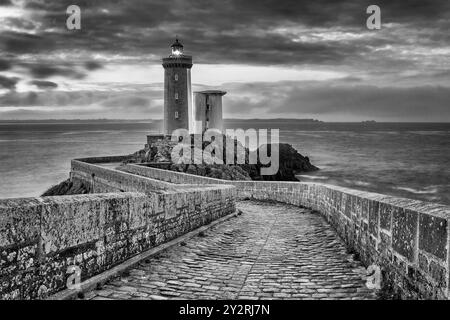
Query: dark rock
x,y
67,188
290,162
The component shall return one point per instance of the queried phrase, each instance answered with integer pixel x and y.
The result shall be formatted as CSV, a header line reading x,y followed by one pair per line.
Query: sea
x,y
409,160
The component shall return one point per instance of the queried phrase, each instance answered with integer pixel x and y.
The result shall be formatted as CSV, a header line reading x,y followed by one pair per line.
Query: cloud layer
x,y
400,72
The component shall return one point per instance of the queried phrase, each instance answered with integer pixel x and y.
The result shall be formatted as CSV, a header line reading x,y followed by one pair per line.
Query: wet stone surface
x,y
271,251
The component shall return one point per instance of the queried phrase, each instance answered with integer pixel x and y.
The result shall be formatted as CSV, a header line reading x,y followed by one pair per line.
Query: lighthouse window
x,y
176,114
176,95
176,77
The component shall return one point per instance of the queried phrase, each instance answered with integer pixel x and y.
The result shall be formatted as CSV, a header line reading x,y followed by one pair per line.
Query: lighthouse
x,y
177,90
179,110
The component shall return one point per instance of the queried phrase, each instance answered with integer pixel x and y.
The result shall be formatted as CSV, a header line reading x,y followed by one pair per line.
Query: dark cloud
x,y
16,42
45,71
44,84
127,101
227,31
93,65
20,99
328,101
350,79
5,65
89,105
350,12
8,83
114,99
217,13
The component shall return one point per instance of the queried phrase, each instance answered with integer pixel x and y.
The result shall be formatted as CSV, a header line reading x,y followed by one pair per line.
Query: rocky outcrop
x,y
290,162
67,187
159,151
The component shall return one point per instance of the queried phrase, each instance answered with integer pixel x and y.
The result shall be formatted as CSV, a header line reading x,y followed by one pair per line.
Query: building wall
x,y
408,239
171,176
215,114
182,87
208,119
40,238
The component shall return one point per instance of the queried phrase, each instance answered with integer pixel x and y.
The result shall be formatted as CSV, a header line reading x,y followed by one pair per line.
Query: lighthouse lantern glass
x,y
177,48
177,51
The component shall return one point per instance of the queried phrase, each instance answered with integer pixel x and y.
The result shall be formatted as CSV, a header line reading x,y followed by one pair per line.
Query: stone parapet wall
x,y
105,159
408,239
169,176
40,238
102,179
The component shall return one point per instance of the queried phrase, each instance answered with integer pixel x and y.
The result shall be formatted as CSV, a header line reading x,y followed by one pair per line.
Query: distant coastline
x,y
153,120
81,121
258,120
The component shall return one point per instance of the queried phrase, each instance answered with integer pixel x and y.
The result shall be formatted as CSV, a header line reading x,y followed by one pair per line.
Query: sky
x,y
275,58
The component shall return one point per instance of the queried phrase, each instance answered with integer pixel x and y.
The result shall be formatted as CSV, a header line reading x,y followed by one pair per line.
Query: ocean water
x,y
409,160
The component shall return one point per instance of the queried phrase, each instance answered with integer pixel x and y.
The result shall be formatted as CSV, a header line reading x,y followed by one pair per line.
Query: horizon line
x,y
225,119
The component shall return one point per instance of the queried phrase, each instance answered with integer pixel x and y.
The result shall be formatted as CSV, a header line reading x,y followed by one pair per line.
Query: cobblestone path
x,y
270,251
